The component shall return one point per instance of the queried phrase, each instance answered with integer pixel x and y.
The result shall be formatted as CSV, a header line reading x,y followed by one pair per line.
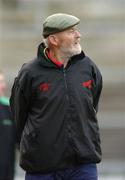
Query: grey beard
x,y
66,55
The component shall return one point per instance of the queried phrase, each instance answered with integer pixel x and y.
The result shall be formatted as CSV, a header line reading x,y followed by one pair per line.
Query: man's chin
x,y
77,50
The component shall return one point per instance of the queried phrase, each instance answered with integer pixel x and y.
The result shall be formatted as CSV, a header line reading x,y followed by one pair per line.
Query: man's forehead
x,y
60,34
73,27
67,30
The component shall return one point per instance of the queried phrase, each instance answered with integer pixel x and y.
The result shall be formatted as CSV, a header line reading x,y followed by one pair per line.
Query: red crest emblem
x,y
44,87
87,84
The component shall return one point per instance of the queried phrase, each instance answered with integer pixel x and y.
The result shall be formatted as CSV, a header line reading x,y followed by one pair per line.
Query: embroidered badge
x,y
87,84
44,87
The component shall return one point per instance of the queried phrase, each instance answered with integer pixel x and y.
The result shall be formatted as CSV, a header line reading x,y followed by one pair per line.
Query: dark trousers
x,y
82,172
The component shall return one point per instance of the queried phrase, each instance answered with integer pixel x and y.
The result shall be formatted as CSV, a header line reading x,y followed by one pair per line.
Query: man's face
x,y
69,41
2,85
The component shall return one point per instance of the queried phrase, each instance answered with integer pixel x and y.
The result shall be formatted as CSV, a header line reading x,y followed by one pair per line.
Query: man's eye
x,y
72,30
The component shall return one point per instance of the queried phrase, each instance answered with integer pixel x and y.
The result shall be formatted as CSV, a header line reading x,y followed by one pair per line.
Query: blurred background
x,y
103,39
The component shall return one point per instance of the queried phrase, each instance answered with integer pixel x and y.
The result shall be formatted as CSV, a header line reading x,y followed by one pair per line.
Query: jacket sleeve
x,y
20,100
98,86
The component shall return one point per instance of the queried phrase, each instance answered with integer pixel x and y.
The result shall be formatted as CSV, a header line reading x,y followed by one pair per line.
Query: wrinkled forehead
x,y
65,32
76,27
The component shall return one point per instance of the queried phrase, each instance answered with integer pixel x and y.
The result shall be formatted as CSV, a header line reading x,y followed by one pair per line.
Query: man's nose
x,y
78,35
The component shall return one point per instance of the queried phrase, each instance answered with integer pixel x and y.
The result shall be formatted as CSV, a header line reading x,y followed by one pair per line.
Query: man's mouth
x,y
76,43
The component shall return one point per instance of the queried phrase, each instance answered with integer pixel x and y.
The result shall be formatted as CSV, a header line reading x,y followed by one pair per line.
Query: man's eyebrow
x,y
72,28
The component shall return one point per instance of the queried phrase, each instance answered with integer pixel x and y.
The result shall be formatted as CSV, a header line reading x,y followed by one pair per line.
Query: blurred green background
x,y
103,39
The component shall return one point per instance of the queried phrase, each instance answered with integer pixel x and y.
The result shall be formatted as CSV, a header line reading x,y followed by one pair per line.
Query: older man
x,y
54,103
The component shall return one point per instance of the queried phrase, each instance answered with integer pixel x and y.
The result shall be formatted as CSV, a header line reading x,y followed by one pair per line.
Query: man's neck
x,y
59,57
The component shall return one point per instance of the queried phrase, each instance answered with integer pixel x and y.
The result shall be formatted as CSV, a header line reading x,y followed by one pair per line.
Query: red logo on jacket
x,y
87,84
44,87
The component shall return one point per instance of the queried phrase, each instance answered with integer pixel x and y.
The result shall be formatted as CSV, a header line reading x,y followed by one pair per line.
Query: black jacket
x,y
55,113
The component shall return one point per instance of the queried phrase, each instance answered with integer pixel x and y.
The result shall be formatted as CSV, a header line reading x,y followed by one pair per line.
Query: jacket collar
x,y
45,61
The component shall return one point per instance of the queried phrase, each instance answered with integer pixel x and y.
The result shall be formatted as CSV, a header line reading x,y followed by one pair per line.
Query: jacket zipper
x,y
68,99
65,81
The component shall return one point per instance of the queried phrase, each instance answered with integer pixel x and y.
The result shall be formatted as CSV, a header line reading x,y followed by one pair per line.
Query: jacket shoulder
x,y
91,63
29,65
29,68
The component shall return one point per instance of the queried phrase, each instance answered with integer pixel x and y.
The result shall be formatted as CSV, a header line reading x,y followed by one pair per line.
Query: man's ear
x,y
53,40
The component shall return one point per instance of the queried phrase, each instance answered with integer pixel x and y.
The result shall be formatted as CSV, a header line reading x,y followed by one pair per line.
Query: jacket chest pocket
x,y
86,88
48,90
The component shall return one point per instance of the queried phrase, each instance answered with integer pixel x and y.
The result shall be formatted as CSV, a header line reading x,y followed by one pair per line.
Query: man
x,y
54,103
7,135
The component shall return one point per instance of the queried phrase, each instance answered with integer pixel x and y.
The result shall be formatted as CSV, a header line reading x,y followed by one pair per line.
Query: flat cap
x,y
58,22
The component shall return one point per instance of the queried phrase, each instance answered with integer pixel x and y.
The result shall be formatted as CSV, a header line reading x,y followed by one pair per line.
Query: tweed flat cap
x,y
58,22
